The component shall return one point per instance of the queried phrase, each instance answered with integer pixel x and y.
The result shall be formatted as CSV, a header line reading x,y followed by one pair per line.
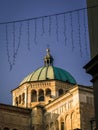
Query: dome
x,y
49,72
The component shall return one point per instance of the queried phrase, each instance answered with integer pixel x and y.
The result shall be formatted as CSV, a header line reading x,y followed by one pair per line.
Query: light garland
x,y
56,24
85,31
43,29
49,26
28,34
57,28
35,33
71,24
79,33
65,30
7,47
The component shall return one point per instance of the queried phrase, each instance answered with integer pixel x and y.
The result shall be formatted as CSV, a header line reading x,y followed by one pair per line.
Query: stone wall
x,y
14,118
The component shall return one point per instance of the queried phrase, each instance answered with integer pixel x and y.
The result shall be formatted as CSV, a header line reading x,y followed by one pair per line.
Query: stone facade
x,y
70,110
14,118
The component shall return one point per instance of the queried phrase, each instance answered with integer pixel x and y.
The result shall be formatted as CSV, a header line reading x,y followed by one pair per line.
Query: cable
x,y
22,20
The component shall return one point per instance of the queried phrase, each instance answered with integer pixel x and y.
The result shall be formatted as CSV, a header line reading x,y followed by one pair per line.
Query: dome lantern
x,y
48,59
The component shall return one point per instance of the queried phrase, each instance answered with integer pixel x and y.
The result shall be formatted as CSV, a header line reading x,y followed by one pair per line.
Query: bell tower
x,y
48,59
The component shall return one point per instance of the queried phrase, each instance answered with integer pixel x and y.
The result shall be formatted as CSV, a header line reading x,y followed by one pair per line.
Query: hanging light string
x,y
17,21
43,29
28,35
79,33
85,31
15,50
50,22
12,59
13,43
65,30
35,33
7,47
57,28
18,46
71,24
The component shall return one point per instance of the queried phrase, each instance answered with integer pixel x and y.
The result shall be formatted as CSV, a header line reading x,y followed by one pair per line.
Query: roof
x,y
49,73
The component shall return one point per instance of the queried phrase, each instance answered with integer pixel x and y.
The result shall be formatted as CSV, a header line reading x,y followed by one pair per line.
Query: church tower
x,y
43,85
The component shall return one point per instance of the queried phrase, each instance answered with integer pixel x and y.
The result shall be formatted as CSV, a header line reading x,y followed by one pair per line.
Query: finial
x,y
48,59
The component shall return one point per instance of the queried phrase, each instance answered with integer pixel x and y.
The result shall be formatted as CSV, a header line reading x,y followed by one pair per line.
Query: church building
x,y
49,98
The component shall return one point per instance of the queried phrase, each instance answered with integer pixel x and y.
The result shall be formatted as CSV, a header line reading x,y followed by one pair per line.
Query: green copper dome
x,y
49,72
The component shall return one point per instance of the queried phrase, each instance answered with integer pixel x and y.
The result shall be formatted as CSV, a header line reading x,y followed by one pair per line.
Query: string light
x,y
71,24
57,28
49,26
7,47
79,33
17,46
13,43
43,29
65,30
35,36
85,31
67,12
28,34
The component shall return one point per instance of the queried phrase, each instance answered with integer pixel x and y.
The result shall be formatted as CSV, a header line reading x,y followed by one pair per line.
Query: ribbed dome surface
x,y
48,73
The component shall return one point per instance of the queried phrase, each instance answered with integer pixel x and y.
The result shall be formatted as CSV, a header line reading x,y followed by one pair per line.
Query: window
x,y
41,95
60,92
16,101
48,92
33,96
19,99
41,98
23,98
62,125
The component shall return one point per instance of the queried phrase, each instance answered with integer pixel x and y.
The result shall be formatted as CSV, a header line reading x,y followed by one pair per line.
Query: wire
x,y
22,20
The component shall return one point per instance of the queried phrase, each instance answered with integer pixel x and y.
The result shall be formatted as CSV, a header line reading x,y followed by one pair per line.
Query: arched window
x,y
19,99
6,128
48,92
60,92
16,101
23,98
33,96
62,124
41,95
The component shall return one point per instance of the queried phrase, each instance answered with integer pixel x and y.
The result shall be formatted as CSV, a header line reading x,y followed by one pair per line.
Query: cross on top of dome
x,y
48,59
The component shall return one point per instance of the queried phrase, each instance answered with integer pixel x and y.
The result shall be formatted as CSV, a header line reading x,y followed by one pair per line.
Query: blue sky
x,y
69,42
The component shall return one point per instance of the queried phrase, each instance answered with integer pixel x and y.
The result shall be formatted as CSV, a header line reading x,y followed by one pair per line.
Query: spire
x,y
48,59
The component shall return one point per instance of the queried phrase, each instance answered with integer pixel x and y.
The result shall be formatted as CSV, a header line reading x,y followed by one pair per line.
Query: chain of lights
x,y
12,58
50,22
28,34
79,33
14,43
85,31
43,27
65,30
71,24
7,47
51,25
35,33
57,28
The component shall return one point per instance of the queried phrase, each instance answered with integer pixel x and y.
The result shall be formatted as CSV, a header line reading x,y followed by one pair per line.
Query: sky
x,y
27,28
